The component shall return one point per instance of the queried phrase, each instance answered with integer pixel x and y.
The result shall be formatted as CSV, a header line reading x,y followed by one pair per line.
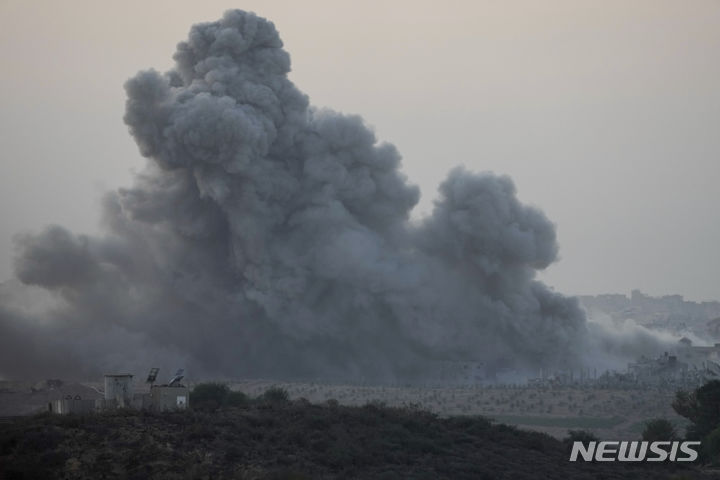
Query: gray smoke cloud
x,y
270,238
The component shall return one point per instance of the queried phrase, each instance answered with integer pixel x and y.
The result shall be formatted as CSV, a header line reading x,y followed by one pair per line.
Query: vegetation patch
x,y
272,437
564,422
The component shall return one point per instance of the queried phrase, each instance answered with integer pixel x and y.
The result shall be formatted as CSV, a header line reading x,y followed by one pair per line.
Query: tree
x,y
711,446
701,407
659,429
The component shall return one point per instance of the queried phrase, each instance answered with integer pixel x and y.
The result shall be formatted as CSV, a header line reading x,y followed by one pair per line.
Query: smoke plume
x,y
270,238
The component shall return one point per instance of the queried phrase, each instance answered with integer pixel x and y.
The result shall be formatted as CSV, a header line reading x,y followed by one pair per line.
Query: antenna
x,y
177,377
152,375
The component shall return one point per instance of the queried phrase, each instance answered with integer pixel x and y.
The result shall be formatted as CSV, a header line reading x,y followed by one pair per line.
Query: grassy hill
x,y
292,440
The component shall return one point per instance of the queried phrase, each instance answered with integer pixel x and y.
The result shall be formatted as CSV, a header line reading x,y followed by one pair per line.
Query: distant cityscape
x,y
692,360
669,313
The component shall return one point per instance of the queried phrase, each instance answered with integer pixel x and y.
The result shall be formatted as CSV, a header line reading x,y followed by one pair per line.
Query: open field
x,y
611,414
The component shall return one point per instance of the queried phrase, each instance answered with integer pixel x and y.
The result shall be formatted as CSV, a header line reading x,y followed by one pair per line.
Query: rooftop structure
x,y
118,393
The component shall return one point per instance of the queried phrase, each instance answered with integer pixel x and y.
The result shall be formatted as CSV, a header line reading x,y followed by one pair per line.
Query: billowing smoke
x,y
270,238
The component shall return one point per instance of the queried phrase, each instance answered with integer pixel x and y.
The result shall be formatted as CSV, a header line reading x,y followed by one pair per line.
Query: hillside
x,y
293,440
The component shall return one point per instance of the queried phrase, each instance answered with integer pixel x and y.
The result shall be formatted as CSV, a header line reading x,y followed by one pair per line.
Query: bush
x,y
275,395
287,475
659,429
236,399
579,436
710,447
701,407
41,440
209,396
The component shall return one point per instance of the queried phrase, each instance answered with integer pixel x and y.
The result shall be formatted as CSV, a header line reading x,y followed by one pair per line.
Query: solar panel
x,y
152,375
177,377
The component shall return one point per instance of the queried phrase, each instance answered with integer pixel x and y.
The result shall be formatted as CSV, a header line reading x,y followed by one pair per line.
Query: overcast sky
x,y
605,113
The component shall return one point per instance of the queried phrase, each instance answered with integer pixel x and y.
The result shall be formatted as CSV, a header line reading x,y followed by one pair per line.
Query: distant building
x,y
71,404
697,357
670,313
665,368
119,393
169,397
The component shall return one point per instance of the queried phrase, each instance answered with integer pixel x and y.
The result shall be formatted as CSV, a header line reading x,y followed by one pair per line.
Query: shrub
x,y
275,395
236,399
209,396
701,407
287,475
578,436
659,429
41,440
710,447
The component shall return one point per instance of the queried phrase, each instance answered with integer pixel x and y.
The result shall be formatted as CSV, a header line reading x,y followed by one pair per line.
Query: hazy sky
x,y
605,113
